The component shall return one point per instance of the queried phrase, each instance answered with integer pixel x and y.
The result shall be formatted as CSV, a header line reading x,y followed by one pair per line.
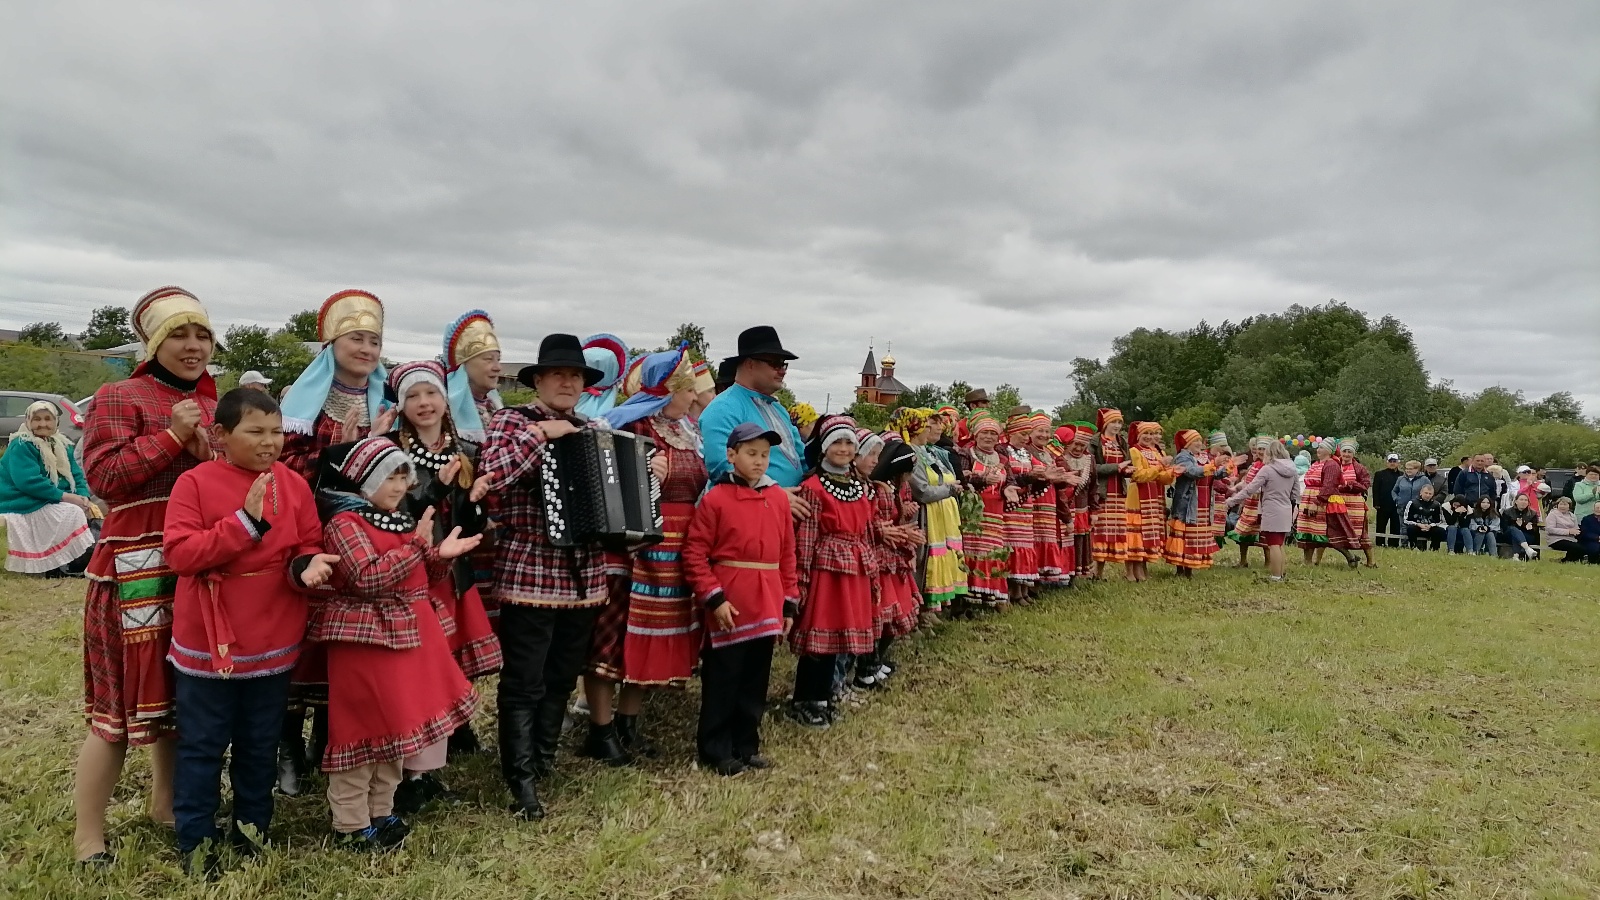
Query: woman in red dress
x,y
1109,519
1074,500
1027,476
1147,502
835,560
1247,528
896,538
988,473
145,432
650,635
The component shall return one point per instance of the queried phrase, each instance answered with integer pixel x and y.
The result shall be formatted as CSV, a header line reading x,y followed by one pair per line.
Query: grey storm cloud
x,y
996,188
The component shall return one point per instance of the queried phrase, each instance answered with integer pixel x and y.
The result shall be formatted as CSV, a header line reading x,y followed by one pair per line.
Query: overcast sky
x,y
996,187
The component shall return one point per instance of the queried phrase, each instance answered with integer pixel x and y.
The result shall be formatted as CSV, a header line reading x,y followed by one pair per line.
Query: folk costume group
x,y
369,549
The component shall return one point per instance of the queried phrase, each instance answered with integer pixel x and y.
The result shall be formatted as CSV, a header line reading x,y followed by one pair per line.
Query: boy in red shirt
x,y
739,560
243,536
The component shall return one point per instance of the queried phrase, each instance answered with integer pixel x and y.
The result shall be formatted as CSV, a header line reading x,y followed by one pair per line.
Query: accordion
x,y
597,488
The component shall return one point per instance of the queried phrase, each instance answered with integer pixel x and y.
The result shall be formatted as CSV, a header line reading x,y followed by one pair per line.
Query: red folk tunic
x,y
1249,524
1345,487
1024,562
394,688
652,637
1047,537
1147,505
1109,522
899,601
238,612
132,462
1311,520
741,546
834,556
985,547
1072,506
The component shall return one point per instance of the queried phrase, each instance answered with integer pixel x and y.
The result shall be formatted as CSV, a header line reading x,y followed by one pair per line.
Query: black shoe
x,y
101,861
868,682
363,841
202,863
604,744
727,768
463,742
411,796
756,761
633,740
390,831
546,732
525,801
809,715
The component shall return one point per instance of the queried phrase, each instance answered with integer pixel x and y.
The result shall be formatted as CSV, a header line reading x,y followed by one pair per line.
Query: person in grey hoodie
x,y
1278,483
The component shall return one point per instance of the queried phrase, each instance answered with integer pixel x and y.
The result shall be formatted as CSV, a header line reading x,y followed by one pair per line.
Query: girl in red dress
x,y
896,540
394,689
145,432
649,635
838,597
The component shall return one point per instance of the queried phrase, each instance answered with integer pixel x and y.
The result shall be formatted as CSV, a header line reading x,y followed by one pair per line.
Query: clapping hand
x,y
319,571
480,488
385,420
350,428
425,526
255,499
455,545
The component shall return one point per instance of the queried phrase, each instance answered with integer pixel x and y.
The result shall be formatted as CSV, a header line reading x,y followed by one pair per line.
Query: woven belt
x,y
740,564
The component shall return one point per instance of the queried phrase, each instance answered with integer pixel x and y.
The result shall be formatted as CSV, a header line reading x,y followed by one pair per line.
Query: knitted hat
x,y
867,441
802,414
1140,429
1350,444
834,429
1019,425
1066,434
704,380
1106,415
406,376
469,336
981,420
1085,429
1217,439
371,461
347,312
163,311
1184,436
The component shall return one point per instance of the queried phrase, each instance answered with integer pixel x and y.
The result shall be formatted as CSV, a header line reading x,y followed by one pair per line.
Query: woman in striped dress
x,y
1147,500
987,473
1191,540
1311,521
1018,518
1249,525
1109,519
650,637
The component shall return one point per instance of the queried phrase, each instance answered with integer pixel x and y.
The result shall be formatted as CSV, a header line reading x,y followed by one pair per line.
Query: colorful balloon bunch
x,y
1300,442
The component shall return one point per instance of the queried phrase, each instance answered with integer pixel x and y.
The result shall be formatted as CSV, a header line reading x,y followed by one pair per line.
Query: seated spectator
x,y
44,500
1589,538
1456,514
1585,492
1424,519
1483,527
1441,483
1520,527
1561,527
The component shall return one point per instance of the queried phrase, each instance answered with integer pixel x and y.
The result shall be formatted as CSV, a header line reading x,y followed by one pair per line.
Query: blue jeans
x,y
1517,537
214,713
1483,542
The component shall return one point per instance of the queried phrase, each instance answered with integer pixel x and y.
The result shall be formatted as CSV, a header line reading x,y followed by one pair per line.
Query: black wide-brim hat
x,y
761,340
561,351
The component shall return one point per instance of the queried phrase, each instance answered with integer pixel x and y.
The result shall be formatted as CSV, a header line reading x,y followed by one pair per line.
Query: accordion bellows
x,y
597,488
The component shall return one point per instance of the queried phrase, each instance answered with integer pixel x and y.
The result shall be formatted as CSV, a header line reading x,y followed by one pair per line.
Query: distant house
x,y
879,385
508,375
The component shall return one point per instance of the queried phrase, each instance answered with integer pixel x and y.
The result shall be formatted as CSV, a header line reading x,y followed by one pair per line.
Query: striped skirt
x,y
1147,523
1347,522
1108,535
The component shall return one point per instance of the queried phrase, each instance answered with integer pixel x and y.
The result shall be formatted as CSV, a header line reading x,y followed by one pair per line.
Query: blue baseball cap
x,y
749,431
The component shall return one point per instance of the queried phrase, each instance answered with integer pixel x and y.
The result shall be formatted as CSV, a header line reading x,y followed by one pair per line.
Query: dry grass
x,y
1426,730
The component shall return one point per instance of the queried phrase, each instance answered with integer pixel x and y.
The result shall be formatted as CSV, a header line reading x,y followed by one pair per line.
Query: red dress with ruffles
x,y
899,601
132,462
838,597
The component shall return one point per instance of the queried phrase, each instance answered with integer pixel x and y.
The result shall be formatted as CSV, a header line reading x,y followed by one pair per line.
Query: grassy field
x,y
1428,729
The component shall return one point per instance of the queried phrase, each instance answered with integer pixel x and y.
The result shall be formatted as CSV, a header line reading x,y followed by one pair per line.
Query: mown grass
x,y
1428,729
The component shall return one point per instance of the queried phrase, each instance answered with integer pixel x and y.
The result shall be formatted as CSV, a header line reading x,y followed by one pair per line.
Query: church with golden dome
x,y
879,385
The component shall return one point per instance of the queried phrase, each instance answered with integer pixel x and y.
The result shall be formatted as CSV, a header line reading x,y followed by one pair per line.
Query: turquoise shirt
x,y
739,404
24,486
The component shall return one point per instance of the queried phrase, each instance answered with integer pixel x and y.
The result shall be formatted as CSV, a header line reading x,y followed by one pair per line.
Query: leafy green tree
x,y
1073,411
868,415
1494,407
1547,444
956,394
303,325
1432,442
24,367
1559,407
929,396
108,327
280,356
1279,419
785,396
1236,424
694,336
1379,391
44,334
1004,398
1446,406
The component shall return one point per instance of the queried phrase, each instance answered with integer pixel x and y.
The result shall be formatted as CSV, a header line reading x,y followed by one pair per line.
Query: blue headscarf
x,y
464,409
651,395
310,392
609,354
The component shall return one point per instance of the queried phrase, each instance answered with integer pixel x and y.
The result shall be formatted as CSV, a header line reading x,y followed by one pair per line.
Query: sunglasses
x,y
774,363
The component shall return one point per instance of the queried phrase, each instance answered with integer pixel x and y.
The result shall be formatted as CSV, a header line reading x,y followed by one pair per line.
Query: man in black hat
x,y
762,363
549,596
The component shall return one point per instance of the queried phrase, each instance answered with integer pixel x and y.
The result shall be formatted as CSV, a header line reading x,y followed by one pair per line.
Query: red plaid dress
x,y
528,569
899,601
132,462
394,688
985,546
1048,546
838,597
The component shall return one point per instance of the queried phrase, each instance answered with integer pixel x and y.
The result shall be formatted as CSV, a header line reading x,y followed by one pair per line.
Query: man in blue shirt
x,y
762,364
1474,483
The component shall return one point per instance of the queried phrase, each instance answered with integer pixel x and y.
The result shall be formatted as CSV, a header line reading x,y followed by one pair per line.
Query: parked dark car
x,y
14,407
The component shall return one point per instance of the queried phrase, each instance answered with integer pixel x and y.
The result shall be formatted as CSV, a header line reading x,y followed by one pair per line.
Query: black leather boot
x,y
604,745
547,734
632,738
518,762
